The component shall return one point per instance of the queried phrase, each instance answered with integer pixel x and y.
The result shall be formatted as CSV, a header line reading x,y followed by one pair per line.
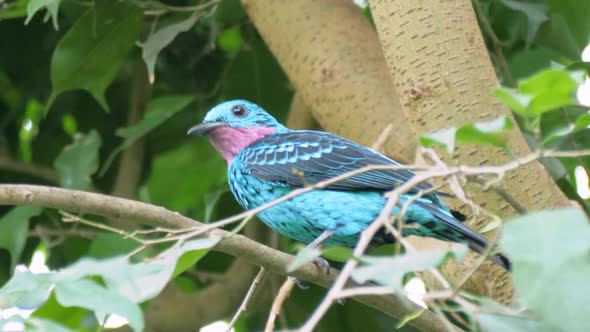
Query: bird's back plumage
x,y
301,157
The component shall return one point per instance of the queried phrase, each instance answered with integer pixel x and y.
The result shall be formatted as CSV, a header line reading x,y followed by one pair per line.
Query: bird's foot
x,y
299,283
341,301
321,263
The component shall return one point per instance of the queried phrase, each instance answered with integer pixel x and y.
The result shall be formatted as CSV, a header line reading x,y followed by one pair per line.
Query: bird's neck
x,y
230,141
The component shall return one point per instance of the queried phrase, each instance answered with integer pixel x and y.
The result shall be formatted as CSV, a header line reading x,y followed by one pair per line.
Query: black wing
x,y
303,157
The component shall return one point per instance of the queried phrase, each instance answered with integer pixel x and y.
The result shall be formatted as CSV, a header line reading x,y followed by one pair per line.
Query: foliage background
x,y
70,108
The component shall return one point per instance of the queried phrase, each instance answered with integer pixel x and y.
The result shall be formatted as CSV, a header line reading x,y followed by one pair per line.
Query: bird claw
x,y
321,263
299,283
341,301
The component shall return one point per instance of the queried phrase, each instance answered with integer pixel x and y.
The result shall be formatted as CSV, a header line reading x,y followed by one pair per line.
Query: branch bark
x,y
236,245
332,56
450,83
18,166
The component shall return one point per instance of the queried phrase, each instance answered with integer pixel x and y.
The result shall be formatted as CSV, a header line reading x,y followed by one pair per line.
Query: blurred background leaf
x,y
78,161
90,54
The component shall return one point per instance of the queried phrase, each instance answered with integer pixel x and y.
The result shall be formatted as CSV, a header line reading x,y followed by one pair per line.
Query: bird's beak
x,y
205,128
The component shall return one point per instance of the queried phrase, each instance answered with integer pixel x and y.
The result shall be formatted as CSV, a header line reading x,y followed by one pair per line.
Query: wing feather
x,y
302,157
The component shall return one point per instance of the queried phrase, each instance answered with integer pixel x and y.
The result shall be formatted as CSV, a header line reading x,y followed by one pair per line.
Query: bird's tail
x,y
481,246
456,231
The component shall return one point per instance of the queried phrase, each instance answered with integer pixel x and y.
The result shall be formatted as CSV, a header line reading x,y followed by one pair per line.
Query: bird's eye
x,y
239,110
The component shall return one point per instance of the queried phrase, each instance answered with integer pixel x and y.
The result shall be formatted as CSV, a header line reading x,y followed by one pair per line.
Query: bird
x,y
267,160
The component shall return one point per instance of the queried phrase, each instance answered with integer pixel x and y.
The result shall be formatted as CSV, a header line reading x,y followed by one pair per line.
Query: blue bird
x,y
266,160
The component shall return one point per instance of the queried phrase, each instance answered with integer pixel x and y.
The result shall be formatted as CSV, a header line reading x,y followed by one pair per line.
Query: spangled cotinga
x,y
266,160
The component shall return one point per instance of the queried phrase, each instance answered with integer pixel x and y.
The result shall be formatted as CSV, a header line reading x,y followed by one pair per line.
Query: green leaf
x,y
44,325
29,129
305,255
52,7
545,91
497,322
89,56
158,111
230,40
125,283
191,253
88,294
581,123
551,248
488,132
14,228
536,14
568,30
162,38
70,317
147,279
443,137
518,102
69,124
390,271
550,89
336,253
580,65
78,161
14,9
26,290
142,281
547,227
190,193
110,244
527,62
230,12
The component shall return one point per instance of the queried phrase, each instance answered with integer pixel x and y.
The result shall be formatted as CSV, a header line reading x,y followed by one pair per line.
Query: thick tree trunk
x,y
300,115
332,56
441,69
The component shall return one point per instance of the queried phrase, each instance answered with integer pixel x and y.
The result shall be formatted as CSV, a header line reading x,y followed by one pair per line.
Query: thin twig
x,y
275,310
243,306
502,192
40,231
364,290
496,44
382,138
68,217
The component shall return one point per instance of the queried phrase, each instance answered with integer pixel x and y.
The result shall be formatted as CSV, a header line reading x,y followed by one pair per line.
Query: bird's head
x,y
234,125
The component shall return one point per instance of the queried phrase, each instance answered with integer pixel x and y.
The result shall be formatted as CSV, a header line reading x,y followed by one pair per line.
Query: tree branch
x,y
18,166
131,163
236,245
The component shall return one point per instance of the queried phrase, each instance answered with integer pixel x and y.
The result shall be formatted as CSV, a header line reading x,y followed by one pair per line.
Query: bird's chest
x,y
249,191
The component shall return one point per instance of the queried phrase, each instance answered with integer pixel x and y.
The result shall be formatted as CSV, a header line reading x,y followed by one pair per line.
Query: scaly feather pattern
x,y
305,157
